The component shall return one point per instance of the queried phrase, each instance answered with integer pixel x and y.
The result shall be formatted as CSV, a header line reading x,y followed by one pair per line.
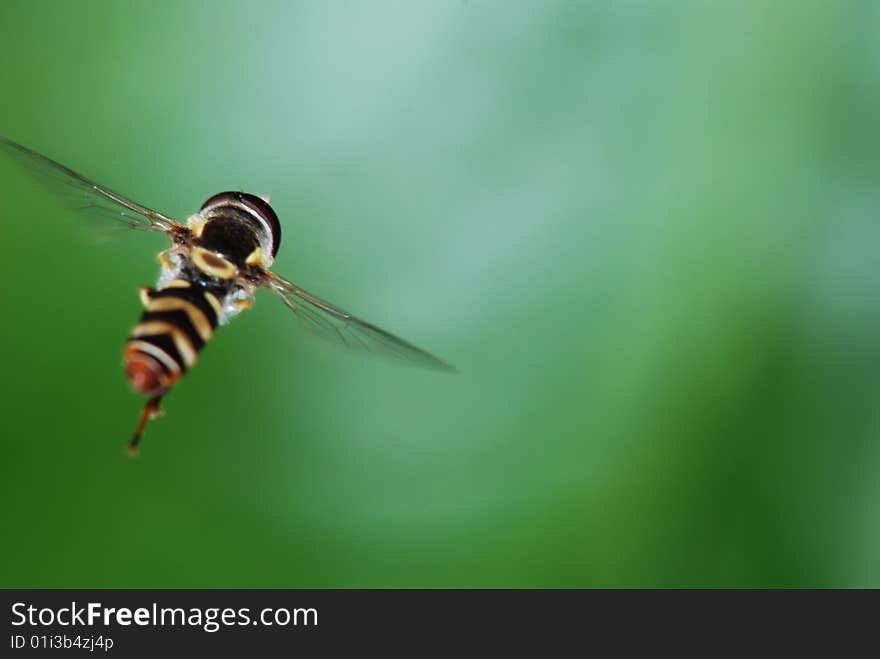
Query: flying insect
x,y
210,273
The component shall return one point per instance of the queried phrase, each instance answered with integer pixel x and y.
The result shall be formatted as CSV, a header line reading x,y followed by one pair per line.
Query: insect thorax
x,y
240,226
235,294
229,236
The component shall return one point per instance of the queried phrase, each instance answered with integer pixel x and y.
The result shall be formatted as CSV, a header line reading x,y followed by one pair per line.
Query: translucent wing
x,y
338,326
85,195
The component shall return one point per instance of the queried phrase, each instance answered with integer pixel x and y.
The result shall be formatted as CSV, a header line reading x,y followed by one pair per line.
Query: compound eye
x,y
220,197
261,207
258,208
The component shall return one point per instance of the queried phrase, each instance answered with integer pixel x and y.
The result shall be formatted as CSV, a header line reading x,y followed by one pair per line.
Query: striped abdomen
x,y
177,321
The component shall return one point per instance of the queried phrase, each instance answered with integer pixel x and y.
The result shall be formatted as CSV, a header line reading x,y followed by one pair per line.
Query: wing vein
x,y
88,196
341,327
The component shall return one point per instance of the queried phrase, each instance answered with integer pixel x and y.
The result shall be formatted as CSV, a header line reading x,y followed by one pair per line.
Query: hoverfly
x,y
209,274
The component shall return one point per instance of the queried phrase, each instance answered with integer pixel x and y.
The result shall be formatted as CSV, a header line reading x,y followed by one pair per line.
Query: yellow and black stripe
x,y
178,320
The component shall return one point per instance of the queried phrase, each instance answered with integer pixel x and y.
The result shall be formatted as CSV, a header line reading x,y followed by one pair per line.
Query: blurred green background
x,y
646,233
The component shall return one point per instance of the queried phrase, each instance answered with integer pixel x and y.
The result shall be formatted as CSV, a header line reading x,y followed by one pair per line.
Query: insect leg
x,y
151,411
163,258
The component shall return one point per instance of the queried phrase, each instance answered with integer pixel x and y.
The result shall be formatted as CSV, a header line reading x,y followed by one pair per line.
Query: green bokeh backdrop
x,y
646,232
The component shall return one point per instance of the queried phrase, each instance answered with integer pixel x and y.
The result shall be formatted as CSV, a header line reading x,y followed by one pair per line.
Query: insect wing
x,y
85,195
339,326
